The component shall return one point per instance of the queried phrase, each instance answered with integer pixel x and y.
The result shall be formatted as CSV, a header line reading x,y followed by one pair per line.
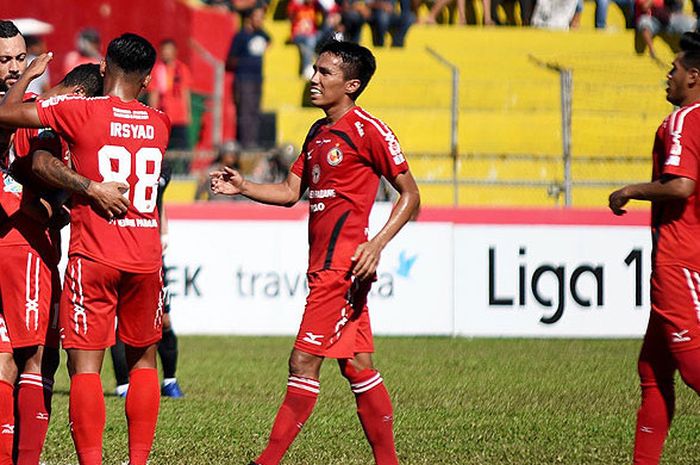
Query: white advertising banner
x,y
249,277
578,281
437,277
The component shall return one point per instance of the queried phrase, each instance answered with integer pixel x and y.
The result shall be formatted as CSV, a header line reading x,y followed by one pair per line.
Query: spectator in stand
x,y
553,14
221,4
245,59
274,166
169,92
87,45
386,19
526,8
229,155
461,12
331,26
35,47
654,17
601,13
302,15
354,14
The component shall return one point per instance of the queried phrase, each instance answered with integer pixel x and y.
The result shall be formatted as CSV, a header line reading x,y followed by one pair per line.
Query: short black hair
x,y
168,41
87,76
690,46
357,62
8,29
131,53
31,41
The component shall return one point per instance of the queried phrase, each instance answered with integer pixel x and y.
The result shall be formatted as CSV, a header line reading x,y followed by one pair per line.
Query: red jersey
x,y
341,165
113,140
21,229
676,223
173,82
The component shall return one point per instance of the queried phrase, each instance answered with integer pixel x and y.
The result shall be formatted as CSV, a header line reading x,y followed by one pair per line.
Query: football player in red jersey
x,y
341,162
30,284
13,56
672,339
114,256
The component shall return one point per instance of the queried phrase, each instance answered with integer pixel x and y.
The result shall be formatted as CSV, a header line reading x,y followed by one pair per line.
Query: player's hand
x,y
366,259
617,201
37,67
108,198
227,181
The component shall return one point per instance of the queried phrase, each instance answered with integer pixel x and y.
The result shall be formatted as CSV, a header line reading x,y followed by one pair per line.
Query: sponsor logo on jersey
x,y
360,128
315,173
129,114
334,156
673,160
4,336
680,336
312,338
676,147
317,207
321,193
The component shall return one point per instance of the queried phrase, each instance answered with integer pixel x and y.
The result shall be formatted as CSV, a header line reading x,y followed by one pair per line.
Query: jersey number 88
x,y
143,200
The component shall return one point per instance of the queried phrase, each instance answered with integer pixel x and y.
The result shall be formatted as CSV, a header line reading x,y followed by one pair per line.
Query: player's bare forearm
x,y
366,257
666,188
230,182
15,113
280,194
405,209
55,173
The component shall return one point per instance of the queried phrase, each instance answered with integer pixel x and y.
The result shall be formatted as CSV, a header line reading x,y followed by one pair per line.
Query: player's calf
x,y
373,408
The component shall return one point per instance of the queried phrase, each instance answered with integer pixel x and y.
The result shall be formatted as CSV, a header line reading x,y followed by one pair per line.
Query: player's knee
x,y
355,372
303,364
8,368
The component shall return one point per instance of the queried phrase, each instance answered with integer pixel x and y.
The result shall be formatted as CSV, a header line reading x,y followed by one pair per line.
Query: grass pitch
x,y
456,401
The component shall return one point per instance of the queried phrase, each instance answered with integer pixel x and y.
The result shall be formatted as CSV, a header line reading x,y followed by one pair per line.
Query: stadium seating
x,y
509,106
510,137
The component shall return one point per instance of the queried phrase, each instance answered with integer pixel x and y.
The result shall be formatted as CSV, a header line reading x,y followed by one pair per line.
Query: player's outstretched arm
x,y
13,112
107,197
366,257
666,188
230,182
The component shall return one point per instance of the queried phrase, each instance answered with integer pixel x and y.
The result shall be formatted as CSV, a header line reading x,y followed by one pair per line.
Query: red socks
x,y
653,421
87,415
295,410
142,403
376,415
7,422
86,411
33,412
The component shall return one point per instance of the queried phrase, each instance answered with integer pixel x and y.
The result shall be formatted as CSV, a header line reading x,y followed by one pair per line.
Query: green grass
x,y
456,401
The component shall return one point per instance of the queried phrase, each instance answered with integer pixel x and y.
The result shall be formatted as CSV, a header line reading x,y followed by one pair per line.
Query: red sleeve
x,y
28,141
384,150
298,166
66,114
684,151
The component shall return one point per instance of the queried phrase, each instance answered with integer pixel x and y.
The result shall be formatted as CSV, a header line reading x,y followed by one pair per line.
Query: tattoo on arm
x,y
54,172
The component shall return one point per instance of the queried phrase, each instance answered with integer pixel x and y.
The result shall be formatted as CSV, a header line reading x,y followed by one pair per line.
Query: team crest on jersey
x,y
315,173
334,156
